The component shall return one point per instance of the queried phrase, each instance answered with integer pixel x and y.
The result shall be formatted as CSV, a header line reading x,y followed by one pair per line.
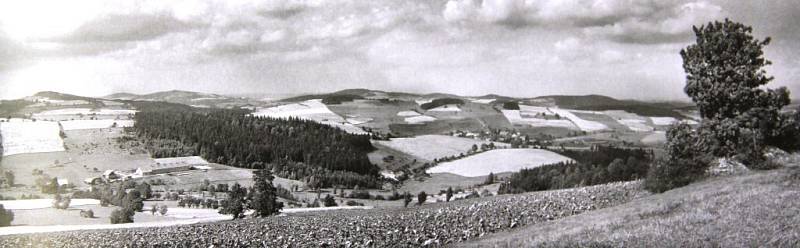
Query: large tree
x,y
724,77
265,198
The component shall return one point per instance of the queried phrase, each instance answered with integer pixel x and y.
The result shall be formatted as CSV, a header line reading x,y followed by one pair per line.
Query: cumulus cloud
x,y
619,20
127,27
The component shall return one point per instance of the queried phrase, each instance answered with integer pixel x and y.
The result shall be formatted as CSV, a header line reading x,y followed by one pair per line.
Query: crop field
x,y
21,137
430,147
94,124
446,108
419,119
313,110
657,137
498,161
663,121
440,126
431,224
381,113
82,111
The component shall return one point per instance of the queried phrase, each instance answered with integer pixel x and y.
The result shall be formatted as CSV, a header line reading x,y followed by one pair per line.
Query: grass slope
x,y
757,209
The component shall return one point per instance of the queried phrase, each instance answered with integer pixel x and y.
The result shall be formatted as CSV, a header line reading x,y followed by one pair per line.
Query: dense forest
x,y
441,102
292,147
598,165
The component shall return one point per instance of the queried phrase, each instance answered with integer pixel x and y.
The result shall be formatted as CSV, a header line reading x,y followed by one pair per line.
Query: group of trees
x,y
441,102
233,137
262,197
599,165
740,118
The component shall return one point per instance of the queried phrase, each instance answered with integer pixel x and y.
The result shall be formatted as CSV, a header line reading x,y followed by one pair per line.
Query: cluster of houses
x,y
161,166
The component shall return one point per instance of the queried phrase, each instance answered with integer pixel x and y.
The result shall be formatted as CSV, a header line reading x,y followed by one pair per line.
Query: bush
x,y
329,201
684,163
121,216
421,198
6,216
87,213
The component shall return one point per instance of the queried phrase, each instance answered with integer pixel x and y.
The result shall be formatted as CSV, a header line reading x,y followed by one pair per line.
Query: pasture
x,y
498,161
430,147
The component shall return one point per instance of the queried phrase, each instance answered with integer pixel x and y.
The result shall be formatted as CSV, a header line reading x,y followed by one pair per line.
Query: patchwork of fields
x,y
313,110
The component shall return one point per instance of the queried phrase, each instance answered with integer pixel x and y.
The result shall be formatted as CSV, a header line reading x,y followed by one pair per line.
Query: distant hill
x,y
602,103
191,98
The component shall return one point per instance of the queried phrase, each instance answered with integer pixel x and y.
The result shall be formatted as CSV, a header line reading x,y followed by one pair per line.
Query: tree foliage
x,y
725,72
264,198
236,202
289,147
599,165
6,216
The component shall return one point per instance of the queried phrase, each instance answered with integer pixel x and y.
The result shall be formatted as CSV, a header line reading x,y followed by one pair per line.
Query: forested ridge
x,y
291,147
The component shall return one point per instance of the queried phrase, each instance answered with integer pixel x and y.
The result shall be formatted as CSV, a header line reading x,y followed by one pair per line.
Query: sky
x,y
524,48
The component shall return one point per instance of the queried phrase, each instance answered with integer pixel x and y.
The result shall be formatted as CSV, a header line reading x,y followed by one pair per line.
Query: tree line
x,y
599,165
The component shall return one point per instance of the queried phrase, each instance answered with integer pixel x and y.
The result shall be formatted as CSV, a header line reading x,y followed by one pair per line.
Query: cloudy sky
x,y
621,48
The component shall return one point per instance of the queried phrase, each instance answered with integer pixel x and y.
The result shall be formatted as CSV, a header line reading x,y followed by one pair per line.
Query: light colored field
x,y
483,101
20,137
516,118
408,113
423,101
419,119
663,121
584,125
94,124
192,160
430,147
84,111
43,203
446,108
313,110
499,161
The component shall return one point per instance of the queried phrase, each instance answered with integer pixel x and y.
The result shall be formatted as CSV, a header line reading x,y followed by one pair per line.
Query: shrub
x,y
87,213
162,209
329,201
449,193
684,163
121,215
6,216
406,199
421,198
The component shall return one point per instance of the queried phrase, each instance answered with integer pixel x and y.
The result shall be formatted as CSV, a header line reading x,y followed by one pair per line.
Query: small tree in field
x,y
6,216
406,199
449,193
265,198
422,197
329,201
